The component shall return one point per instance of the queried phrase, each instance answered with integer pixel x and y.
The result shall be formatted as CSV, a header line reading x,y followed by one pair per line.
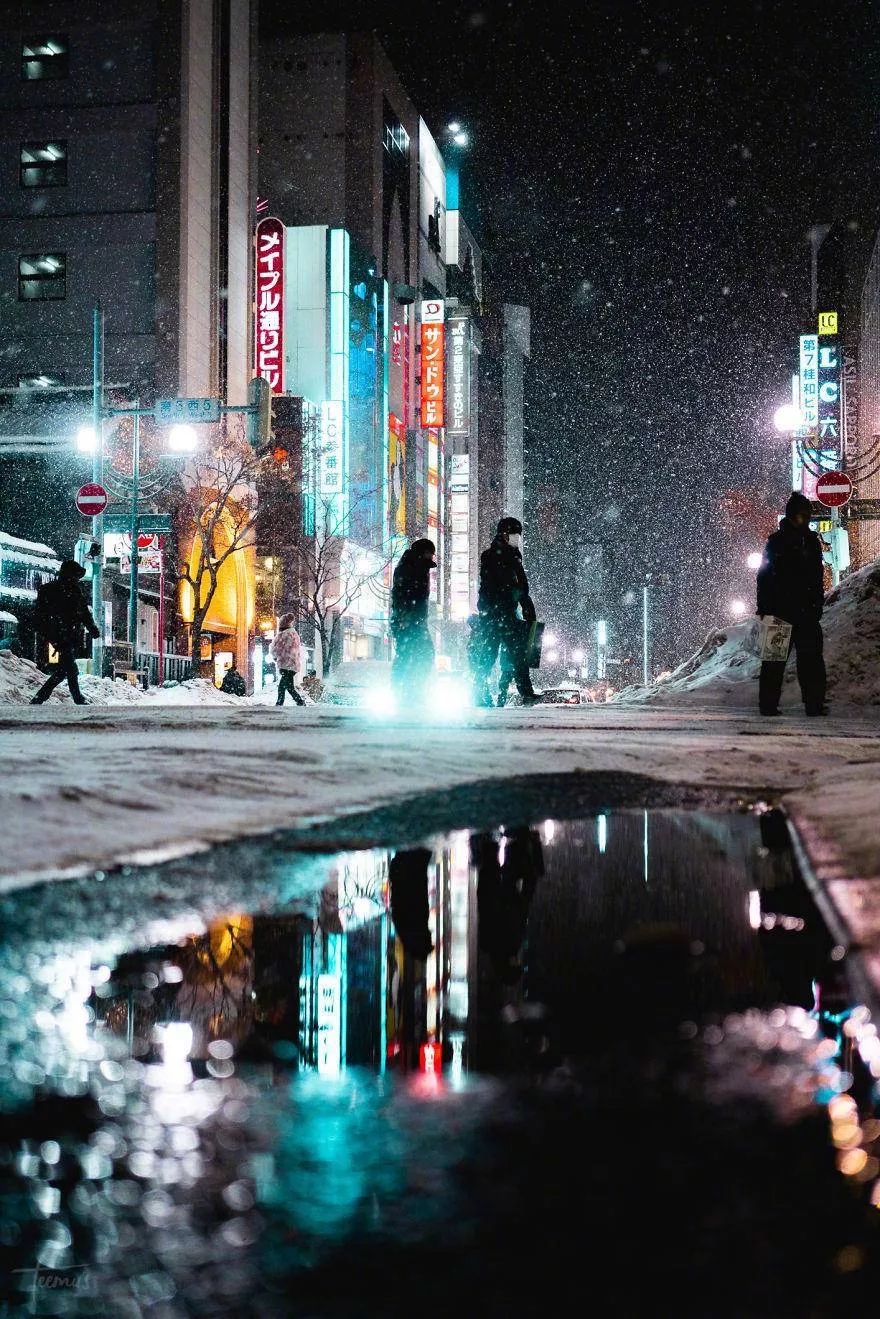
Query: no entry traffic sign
x,y
91,500
833,489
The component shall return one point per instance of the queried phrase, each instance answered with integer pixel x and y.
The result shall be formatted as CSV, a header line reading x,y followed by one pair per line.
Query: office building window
x,y
43,164
44,57
42,277
39,382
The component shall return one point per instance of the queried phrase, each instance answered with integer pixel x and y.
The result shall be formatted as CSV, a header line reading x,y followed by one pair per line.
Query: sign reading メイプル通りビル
x,y
269,329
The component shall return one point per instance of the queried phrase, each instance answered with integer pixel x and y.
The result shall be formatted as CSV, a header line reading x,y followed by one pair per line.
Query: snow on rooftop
x,y
32,546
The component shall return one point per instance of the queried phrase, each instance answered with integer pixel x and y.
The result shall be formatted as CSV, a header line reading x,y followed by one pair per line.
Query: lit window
x,y
43,164
44,57
42,277
38,382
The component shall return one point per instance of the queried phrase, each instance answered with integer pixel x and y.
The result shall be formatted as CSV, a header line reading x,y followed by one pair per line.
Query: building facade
x,y
127,178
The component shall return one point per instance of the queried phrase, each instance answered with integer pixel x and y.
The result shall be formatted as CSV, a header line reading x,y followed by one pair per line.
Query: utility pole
x,y
98,479
133,575
645,665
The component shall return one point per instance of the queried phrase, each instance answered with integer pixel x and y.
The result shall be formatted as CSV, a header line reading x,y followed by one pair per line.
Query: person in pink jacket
x,y
288,652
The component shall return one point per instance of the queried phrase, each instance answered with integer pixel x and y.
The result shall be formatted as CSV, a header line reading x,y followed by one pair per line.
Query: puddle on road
x,y
516,1059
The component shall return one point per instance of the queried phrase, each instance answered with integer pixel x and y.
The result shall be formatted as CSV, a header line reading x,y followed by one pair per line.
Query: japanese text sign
x,y
269,335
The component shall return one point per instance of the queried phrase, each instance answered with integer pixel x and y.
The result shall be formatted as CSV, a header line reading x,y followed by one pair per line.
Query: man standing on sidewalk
x,y
61,615
790,587
506,613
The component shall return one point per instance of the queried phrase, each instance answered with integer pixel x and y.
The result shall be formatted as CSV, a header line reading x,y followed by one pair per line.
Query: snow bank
x,y
20,680
195,691
724,671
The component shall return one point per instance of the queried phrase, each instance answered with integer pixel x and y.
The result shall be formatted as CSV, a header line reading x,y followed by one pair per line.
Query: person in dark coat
x,y
790,587
506,612
413,648
61,614
233,683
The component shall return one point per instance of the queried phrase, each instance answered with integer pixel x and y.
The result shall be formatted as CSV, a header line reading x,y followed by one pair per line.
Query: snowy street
x,y
89,788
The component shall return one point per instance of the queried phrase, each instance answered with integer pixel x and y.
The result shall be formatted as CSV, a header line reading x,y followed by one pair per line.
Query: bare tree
x,y
332,572
217,507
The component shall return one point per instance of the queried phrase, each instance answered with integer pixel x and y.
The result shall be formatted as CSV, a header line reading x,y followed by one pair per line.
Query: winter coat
x,y
233,683
62,613
504,587
410,591
287,650
790,577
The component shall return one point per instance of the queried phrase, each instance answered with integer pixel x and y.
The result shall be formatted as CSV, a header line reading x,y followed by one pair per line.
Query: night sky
x,y
645,177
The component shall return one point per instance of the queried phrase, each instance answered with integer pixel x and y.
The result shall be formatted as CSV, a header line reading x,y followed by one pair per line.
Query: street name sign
x,y
156,524
91,500
833,489
177,411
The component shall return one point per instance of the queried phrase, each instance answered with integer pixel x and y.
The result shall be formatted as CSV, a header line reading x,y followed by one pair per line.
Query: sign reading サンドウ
x,y
433,338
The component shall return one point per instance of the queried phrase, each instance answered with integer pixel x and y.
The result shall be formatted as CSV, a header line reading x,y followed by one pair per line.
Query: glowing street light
x,y
787,419
755,560
182,439
550,638
85,439
454,127
552,656
578,656
738,608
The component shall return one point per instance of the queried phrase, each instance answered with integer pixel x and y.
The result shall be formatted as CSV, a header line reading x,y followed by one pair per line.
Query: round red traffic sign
x,y
833,489
91,500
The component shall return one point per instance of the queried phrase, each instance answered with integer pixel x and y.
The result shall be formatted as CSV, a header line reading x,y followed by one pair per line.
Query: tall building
x,y
127,178
866,531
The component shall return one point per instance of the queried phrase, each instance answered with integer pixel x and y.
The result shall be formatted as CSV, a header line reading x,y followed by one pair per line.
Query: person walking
x,y
790,587
413,648
506,612
288,653
61,614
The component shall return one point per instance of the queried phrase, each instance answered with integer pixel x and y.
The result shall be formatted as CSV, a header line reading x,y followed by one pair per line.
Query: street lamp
x,y
755,560
738,608
787,419
182,439
86,440
550,638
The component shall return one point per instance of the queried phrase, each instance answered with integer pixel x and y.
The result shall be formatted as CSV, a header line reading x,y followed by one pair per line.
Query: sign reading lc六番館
x,y
269,329
458,377
433,353
809,373
829,390
332,449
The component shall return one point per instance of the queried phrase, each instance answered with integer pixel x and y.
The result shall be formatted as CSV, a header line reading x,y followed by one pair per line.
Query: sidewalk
x,y
88,787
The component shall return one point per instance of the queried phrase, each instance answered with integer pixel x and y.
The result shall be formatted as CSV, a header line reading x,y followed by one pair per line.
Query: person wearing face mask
x,y
506,612
790,587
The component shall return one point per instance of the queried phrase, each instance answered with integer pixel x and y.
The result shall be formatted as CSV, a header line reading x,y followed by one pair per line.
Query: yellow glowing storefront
x,y
229,623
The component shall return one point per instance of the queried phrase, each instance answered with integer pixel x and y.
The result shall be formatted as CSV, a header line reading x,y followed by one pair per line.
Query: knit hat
x,y
509,527
69,568
798,503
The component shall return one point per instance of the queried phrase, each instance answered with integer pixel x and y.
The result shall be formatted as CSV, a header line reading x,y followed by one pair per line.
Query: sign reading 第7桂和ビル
x,y
269,335
809,365
433,345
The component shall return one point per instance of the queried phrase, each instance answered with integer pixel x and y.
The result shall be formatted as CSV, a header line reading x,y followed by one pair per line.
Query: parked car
x,y
564,694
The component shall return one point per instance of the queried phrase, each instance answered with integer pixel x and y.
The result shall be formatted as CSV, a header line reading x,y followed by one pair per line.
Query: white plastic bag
x,y
775,639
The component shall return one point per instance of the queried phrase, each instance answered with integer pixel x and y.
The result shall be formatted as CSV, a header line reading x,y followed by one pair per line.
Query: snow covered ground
x,y
724,671
137,775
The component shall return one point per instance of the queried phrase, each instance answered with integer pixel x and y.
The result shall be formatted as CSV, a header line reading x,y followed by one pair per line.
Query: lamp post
x,y
98,479
645,652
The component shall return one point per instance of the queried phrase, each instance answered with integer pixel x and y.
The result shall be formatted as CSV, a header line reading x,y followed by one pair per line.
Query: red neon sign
x,y
269,336
433,356
431,1057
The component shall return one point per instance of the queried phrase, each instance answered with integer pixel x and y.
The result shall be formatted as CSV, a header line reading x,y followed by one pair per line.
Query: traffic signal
x,y
285,445
260,427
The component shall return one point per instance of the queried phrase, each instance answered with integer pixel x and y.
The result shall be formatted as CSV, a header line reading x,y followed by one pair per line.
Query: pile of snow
x,y
194,691
20,680
724,671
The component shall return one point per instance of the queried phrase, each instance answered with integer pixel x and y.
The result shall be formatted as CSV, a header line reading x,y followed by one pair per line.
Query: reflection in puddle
x,y
193,1123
